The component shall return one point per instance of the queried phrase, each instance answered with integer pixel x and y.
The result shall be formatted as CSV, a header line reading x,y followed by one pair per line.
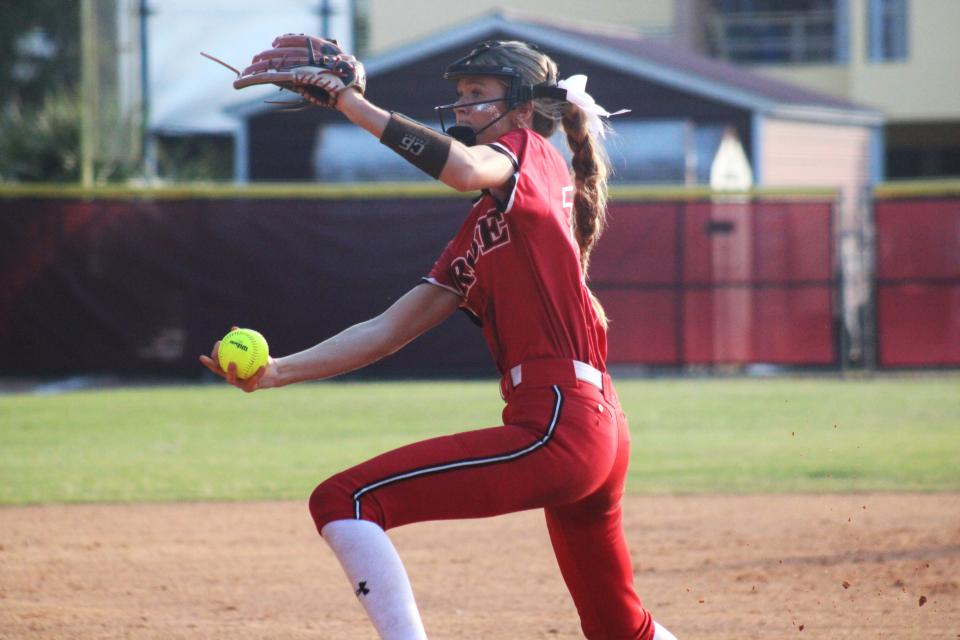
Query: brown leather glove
x,y
294,63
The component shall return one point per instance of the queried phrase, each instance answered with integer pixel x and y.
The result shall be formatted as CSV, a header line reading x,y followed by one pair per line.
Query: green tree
x,y
40,44
39,113
41,142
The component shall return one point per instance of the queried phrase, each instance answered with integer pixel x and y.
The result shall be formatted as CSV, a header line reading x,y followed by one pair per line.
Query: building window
x,y
888,30
778,31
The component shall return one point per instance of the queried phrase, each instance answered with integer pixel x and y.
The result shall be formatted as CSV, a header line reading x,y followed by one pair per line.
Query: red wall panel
x,y
791,242
697,245
643,326
776,325
918,286
748,282
757,242
793,326
683,281
919,325
918,238
638,245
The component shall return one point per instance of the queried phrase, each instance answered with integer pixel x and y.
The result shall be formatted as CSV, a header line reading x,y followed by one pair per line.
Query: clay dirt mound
x,y
730,567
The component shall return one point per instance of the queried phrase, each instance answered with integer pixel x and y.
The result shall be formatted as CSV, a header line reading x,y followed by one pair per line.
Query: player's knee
x,y
330,501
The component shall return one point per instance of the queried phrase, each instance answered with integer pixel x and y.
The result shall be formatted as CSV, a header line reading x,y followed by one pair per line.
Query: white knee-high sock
x,y
659,633
378,577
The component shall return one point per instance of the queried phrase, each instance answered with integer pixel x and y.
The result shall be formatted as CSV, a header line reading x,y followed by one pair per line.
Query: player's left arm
x,y
419,310
475,168
453,163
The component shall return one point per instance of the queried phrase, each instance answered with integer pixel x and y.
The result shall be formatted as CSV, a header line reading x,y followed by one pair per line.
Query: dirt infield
x,y
836,566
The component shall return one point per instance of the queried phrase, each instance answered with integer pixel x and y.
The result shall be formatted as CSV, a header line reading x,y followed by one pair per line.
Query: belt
x,y
550,371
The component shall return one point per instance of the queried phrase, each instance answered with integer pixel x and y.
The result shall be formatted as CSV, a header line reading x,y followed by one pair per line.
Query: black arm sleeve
x,y
419,145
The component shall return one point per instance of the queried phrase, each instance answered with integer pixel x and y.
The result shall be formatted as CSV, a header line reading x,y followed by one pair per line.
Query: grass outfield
x,y
211,442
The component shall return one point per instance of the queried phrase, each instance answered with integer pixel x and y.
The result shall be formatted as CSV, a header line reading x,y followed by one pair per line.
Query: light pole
x,y
325,11
148,145
89,90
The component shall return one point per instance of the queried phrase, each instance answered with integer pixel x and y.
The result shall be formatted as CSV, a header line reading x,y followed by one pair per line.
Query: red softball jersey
x,y
516,263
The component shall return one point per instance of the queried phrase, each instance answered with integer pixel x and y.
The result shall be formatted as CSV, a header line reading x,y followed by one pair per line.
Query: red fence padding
x,y
919,325
779,326
918,286
143,286
638,246
918,238
643,326
791,242
719,282
776,242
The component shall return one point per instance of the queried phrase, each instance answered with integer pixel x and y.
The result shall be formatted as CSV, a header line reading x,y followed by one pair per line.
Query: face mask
x,y
464,132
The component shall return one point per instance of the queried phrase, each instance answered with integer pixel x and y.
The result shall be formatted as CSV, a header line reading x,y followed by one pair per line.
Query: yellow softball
x,y
244,347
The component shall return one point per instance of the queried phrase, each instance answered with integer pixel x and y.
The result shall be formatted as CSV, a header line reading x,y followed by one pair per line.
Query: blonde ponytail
x,y
590,171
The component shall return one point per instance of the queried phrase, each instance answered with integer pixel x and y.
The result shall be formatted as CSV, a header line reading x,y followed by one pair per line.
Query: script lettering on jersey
x,y
490,232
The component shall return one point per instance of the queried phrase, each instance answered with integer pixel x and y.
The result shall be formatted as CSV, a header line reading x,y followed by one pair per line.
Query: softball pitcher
x,y
517,267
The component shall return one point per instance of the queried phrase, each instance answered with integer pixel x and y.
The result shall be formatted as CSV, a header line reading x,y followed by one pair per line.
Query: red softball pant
x,y
564,447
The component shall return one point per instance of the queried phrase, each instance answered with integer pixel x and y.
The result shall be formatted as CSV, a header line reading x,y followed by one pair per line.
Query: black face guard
x,y
464,132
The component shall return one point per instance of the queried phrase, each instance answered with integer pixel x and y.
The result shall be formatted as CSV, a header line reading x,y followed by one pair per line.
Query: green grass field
x,y
738,435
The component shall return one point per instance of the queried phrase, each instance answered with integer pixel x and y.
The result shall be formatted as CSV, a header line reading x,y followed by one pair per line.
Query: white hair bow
x,y
576,87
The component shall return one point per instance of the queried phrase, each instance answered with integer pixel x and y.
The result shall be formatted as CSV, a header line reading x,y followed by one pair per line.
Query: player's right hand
x,y
264,378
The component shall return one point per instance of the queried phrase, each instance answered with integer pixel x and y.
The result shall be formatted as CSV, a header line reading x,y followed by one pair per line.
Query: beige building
x,y
392,23
900,57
